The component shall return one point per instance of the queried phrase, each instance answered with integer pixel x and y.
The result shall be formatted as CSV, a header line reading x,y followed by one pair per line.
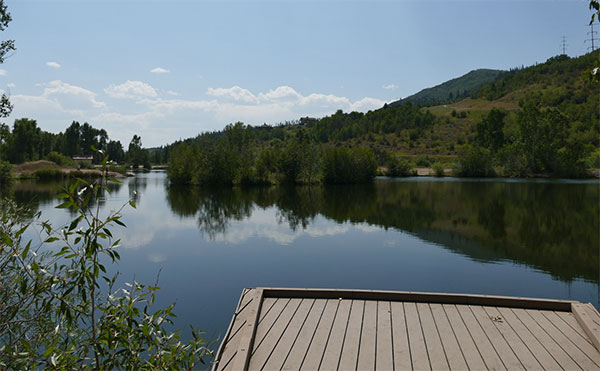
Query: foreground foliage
x,y
60,309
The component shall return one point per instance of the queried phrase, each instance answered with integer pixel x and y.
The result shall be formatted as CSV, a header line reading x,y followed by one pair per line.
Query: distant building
x,y
306,120
86,159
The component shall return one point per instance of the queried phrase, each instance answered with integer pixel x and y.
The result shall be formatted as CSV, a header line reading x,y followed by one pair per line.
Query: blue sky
x,y
172,69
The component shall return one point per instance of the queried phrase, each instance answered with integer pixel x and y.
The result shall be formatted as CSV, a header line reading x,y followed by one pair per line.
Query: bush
x,y
398,167
121,169
348,165
438,169
60,159
6,173
60,309
422,160
474,162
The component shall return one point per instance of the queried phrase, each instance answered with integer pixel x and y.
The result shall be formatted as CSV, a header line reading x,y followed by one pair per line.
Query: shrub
x,y
348,165
6,173
474,162
422,160
60,159
438,169
61,310
398,167
84,165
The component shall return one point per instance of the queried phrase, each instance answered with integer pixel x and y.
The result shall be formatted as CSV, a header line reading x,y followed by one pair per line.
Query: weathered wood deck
x,y
303,329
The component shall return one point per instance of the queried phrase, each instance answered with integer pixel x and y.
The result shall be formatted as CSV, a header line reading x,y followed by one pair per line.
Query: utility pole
x,y
564,45
592,38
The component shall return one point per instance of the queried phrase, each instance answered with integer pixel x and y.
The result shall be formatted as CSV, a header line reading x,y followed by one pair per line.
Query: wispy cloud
x,y
389,87
11,85
53,64
3,72
159,70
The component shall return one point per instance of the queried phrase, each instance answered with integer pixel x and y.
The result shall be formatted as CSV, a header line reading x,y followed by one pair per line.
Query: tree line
x,y
237,156
28,142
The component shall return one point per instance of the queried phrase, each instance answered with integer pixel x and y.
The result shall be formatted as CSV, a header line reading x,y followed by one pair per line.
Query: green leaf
x,y
65,205
132,204
51,239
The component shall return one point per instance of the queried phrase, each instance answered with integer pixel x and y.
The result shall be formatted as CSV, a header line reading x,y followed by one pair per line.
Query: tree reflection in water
x,y
550,226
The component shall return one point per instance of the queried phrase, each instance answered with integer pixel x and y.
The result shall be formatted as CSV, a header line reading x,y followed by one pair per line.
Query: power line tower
x,y
592,38
563,45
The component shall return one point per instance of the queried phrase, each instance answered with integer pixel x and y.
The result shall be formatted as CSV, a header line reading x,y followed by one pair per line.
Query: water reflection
x,y
550,226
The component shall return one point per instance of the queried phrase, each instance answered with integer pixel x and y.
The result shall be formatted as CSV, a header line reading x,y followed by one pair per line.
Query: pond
x,y
498,237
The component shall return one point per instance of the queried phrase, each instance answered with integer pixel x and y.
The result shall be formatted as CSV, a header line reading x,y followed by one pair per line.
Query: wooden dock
x,y
314,329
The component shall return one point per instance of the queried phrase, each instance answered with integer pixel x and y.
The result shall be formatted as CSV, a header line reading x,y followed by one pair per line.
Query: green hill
x,y
453,90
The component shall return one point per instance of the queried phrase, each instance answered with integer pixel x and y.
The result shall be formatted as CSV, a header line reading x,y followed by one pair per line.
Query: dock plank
x,y
265,347
402,358
454,354
333,350
486,349
435,350
269,320
233,337
368,337
582,360
287,340
416,339
314,355
298,352
310,329
384,359
464,338
547,342
504,351
349,357
542,355
520,349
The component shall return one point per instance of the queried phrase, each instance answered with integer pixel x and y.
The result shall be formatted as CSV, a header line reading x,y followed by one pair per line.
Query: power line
x,y
592,37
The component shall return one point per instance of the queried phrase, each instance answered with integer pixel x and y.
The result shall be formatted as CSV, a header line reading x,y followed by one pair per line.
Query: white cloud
x,y
53,64
3,72
11,85
159,70
163,116
234,93
131,90
389,87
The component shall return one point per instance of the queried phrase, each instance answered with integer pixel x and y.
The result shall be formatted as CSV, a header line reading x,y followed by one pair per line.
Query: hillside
x,y
542,119
453,90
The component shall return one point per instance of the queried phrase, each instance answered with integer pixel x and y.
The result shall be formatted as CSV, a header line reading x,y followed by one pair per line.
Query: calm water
x,y
497,237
